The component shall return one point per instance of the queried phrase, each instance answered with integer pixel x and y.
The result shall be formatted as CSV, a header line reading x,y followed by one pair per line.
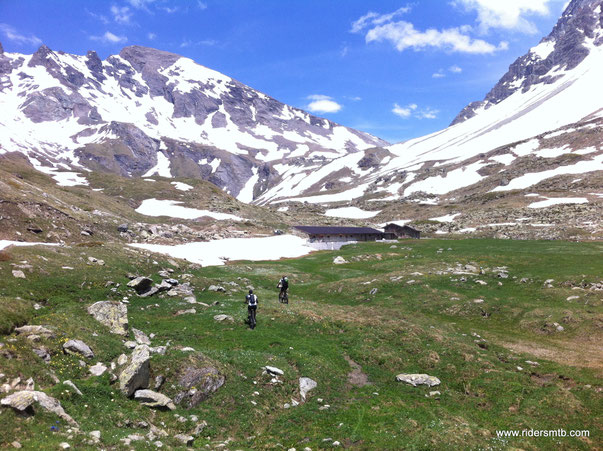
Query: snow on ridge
x,y
181,186
172,209
162,168
543,50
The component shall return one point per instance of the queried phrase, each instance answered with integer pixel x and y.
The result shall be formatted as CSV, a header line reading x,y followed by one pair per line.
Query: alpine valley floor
x,y
512,329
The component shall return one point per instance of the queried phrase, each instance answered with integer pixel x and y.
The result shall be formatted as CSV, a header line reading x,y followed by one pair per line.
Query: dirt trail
x,y
356,377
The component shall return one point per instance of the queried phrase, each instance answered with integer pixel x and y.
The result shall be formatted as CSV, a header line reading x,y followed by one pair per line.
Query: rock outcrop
x,y
112,314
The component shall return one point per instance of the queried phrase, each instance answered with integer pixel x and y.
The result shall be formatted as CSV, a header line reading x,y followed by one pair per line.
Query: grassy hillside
x,y
408,307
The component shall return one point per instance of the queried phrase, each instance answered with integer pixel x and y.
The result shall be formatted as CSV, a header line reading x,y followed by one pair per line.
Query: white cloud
x,y
438,74
206,42
121,14
169,10
403,35
344,51
151,36
413,110
455,69
322,104
140,4
373,18
109,37
507,14
427,113
201,5
404,112
11,34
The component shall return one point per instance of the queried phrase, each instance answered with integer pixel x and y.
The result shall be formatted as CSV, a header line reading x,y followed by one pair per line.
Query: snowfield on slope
x,y
218,252
155,207
351,213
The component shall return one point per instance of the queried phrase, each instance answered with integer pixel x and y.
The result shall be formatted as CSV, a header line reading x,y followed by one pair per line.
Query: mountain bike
x,y
283,297
251,318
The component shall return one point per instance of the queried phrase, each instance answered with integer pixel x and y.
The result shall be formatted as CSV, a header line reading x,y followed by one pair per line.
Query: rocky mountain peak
x,y
140,57
579,29
1,49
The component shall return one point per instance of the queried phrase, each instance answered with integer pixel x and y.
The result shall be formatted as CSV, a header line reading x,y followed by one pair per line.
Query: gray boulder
x,y
223,317
34,330
112,314
216,288
418,379
151,398
22,401
78,347
141,284
136,373
199,379
305,385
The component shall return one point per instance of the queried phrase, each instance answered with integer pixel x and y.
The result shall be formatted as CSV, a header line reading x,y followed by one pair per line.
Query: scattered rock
x,y
191,311
98,369
40,331
136,373
18,274
122,228
16,444
42,353
151,398
64,445
141,284
78,347
222,317
478,301
185,439
112,314
339,260
23,400
418,379
305,385
216,288
274,371
72,385
141,337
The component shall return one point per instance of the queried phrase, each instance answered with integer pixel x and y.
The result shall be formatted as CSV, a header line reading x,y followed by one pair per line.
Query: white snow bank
x,y
446,218
182,186
558,200
215,253
351,212
5,243
155,207
162,168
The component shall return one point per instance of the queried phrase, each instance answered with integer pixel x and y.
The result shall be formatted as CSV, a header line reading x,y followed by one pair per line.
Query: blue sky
x,y
395,69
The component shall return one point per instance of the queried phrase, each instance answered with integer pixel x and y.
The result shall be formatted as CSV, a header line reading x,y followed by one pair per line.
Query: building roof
x,y
323,230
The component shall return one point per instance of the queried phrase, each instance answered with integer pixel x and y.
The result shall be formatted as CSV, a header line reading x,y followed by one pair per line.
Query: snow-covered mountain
x,y
147,111
544,118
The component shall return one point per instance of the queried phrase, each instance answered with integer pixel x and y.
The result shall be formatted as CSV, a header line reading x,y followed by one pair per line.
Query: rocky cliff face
x,y
147,111
576,32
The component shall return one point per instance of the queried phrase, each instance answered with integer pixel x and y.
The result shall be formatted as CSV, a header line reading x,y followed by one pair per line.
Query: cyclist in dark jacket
x,y
252,305
283,284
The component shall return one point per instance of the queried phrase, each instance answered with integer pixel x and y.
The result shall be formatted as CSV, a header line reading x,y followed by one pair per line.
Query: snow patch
x,y
351,213
218,252
558,200
162,168
181,186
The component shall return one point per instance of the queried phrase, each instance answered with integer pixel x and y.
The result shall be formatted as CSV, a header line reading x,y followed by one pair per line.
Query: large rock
x,y
151,398
112,314
141,284
418,379
305,385
339,260
200,379
136,373
223,317
23,400
78,347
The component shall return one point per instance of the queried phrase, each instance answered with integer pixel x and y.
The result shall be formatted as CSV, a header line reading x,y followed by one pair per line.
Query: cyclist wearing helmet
x,y
252,305
283,284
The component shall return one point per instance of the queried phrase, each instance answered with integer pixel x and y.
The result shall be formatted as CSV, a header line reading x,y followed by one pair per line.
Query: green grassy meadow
x,y
422,318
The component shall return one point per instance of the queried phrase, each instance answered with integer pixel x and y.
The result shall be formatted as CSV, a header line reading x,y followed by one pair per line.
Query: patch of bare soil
x,y
585,353
356,377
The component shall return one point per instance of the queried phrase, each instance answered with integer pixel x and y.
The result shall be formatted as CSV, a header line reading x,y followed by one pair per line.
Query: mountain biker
x,y
283,284
252,305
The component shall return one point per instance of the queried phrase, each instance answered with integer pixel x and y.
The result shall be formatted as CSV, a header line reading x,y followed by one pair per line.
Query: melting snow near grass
x,y
182,186
154,207
218,252
351,212
5,243
558,200
446,218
